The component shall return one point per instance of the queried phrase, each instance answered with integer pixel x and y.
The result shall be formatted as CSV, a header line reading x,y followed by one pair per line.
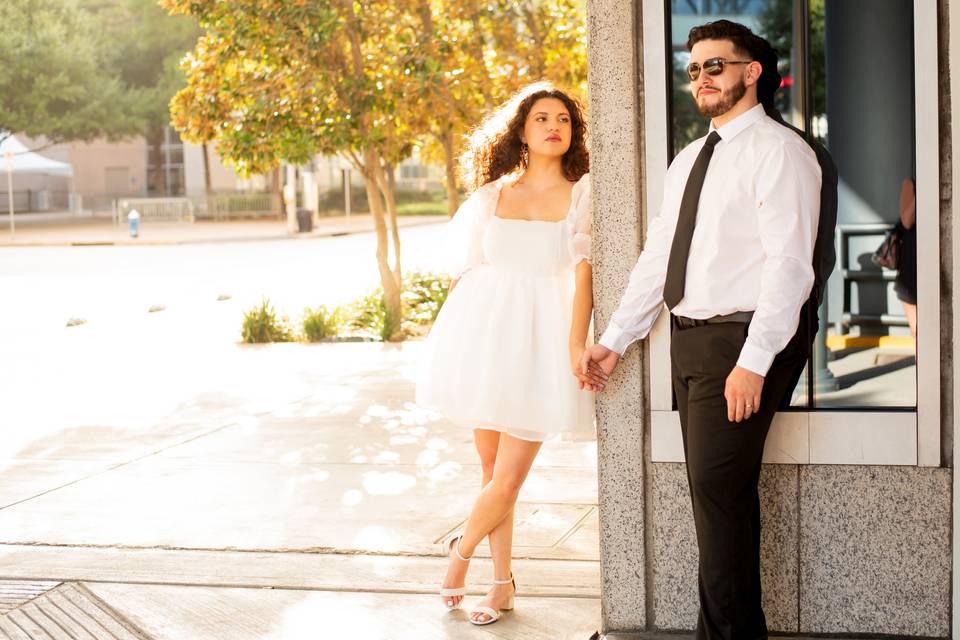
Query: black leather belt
x,y
689,323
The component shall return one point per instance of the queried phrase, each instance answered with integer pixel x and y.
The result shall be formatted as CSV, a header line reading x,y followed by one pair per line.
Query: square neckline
x,y
496,204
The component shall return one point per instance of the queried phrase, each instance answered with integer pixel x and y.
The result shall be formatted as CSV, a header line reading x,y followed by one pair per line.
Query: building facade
x,y
858,489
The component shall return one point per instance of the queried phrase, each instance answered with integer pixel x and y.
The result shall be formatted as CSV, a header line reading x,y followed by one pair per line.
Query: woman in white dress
x,y
503,356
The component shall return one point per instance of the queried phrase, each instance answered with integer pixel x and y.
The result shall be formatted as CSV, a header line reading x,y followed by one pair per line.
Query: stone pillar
x,y
615,169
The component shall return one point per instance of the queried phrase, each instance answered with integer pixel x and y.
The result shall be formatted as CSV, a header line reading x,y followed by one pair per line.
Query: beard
x,y
728,98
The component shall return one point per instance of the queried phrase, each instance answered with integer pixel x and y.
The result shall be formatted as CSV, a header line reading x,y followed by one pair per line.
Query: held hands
x,y
590,379
594,367
742,392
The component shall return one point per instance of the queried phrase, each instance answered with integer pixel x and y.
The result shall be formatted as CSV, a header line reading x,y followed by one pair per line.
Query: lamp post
x,y
8,156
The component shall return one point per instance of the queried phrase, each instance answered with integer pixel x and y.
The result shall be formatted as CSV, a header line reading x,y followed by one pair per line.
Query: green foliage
x,y
320,323
261,324
52,79
370,316
144,48
776,24
410,202
423,295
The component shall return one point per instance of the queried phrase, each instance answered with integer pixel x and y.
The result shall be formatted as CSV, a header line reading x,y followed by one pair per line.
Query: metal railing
x,y
873,274
234,205
214,207
35,200
169,209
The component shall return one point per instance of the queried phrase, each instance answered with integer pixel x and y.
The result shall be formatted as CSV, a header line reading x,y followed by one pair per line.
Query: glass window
x,y
864,355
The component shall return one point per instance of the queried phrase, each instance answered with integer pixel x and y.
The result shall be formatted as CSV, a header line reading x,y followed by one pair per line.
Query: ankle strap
x,y
507,581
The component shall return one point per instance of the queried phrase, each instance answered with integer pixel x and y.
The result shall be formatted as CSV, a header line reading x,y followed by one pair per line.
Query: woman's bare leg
x,y
487,442
514,459
496,503
911,312
501,538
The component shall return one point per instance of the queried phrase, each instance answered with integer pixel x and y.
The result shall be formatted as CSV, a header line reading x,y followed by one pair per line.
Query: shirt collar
x,y
733,128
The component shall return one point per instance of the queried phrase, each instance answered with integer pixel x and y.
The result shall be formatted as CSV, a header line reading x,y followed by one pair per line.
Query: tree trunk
x,y
391,288
276,196
207,182
453,197
389,189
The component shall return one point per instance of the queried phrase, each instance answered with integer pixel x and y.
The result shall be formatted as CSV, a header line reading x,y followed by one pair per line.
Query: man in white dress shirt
x,y
731,256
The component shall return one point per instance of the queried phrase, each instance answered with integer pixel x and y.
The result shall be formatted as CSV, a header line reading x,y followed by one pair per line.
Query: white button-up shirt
x,y
752,248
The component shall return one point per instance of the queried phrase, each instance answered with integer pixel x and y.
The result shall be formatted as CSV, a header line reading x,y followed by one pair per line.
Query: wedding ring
x,y
749,406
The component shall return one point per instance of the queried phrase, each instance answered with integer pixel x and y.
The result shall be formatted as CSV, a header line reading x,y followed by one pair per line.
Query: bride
x,y
503,357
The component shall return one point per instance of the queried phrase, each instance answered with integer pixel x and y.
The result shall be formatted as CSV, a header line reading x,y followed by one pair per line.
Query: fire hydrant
x,y
134,219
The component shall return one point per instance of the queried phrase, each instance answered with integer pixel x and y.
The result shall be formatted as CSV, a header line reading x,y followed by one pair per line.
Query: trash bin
x,y
304,220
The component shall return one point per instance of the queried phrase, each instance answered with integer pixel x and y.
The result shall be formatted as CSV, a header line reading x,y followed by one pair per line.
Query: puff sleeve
x,y
581,221
463,236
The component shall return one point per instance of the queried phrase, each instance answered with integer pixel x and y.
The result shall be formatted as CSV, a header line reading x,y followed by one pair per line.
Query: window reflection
x,y
864,353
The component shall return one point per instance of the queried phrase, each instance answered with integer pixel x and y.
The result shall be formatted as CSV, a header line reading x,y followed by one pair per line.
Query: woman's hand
x,y
594,379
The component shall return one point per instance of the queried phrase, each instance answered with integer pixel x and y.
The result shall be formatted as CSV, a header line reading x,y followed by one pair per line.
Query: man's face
x,y
715,95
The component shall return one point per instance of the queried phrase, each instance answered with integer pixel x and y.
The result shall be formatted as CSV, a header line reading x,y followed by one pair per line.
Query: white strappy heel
x,y
494,614
453,542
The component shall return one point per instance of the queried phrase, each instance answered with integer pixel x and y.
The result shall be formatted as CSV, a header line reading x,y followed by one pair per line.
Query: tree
x,y
472,55
53,81
274,80
145,47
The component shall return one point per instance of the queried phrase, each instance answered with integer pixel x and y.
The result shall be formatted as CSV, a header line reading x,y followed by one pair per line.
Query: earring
x,y
524,154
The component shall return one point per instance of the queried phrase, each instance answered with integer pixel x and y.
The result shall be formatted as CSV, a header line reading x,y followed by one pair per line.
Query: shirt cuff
x,y
755,359
616,339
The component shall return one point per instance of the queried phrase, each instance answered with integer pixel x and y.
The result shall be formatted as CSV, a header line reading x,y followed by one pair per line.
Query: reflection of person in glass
x,y
906,283
731,255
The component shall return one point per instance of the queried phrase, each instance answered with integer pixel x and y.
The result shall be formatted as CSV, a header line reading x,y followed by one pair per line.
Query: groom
x,y
731,255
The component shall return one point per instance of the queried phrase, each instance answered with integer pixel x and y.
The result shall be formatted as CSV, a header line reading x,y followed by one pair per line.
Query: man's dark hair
x,y
748,44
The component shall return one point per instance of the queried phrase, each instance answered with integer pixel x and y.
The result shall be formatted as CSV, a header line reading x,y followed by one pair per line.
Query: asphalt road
x,y
127,366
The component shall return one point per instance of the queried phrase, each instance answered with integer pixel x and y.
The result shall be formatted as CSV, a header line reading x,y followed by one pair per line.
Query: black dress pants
x,y
723,469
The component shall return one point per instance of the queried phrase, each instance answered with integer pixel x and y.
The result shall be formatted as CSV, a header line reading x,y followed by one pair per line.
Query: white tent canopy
x,y
26,161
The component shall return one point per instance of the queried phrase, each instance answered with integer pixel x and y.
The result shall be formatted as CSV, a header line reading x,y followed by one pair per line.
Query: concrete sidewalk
x,y
59,230
297,494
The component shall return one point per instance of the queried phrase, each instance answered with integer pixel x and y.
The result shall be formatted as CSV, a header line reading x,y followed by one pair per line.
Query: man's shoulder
x,y
689,153
770,134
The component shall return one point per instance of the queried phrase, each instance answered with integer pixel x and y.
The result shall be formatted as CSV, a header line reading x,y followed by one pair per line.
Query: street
x,y
129,366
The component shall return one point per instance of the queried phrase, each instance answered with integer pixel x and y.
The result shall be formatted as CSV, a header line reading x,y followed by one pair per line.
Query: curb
x,y
130,242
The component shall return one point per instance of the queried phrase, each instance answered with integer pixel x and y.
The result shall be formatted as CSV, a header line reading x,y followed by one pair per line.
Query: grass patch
x,y
261,324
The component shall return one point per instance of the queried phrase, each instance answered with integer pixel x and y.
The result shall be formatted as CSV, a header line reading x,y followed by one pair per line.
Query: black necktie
x,y
686,221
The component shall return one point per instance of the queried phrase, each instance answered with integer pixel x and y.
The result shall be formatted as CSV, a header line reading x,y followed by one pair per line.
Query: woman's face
x,y
548,129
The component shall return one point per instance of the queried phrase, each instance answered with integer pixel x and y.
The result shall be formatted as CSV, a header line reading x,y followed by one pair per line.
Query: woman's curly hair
x,y
494,148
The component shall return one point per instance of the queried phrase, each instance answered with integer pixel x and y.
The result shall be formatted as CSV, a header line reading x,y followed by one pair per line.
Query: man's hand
x,y
591,380
743,394
600,362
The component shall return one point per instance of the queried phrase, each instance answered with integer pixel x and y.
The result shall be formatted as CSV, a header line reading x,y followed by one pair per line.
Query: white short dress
x,y
497,356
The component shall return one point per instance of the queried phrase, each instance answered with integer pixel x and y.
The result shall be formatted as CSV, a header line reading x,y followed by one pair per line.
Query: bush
x,y
369,315
409,202
423,295
319,323
261,324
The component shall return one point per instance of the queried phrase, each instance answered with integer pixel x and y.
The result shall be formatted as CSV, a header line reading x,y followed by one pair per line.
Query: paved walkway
x,y
298,494
64,229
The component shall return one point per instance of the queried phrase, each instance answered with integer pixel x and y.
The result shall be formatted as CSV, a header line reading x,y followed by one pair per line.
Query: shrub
x,y
319,323
369,315
423,295
261,324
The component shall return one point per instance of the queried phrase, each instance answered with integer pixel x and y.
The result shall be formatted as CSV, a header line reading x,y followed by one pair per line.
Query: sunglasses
x,y
713,67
